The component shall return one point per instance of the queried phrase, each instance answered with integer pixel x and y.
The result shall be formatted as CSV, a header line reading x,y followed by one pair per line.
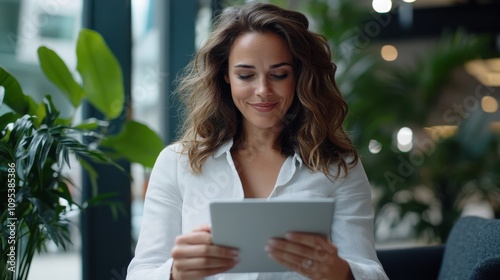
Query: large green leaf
x,y
57,72
14,96
101,74
136,142
6,119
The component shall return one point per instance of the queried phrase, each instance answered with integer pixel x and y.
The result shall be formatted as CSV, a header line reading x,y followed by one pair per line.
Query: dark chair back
x,y
472,250
418,263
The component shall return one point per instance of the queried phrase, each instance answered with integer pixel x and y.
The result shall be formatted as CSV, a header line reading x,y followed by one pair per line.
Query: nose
x,y
263,87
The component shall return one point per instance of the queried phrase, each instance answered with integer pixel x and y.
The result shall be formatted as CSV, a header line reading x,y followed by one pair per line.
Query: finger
x,y
203,227
193,251
309,239
310,261
319,243
283,245
198,237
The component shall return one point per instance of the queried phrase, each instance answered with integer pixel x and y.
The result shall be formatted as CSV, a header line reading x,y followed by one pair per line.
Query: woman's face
x,y
262,79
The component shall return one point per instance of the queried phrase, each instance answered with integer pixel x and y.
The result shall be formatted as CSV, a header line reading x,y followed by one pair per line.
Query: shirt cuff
x,y
366,271
168,267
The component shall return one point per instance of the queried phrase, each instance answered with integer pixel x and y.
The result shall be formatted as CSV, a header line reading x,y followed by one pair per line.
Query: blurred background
x,y
421,77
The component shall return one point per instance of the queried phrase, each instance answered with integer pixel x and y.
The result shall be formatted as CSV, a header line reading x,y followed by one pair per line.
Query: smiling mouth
x,y
264,107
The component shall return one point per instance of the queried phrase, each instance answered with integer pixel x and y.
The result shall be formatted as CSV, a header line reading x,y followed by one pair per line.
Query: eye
x,y
244,77
280,77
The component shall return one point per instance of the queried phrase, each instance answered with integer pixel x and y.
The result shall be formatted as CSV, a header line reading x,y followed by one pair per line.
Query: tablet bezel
x,y
248,224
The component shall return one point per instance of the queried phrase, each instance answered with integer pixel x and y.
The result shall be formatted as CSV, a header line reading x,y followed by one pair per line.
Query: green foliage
x,y
430,184
14,96
97,67
132,136
58,73
36,143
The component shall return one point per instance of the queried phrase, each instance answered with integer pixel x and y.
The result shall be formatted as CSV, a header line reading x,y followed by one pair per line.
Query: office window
x,y
24,27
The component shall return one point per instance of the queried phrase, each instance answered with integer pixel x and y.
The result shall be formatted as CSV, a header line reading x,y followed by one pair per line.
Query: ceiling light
x,y
405,139
374,146
382,6
489,104
389,53
405,136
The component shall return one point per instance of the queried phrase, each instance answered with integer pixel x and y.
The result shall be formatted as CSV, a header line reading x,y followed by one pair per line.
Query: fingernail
x,y
236,259
272,242
267,248
288,236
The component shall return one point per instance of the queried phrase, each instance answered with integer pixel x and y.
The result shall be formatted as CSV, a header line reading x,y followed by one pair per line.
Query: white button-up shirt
x,y
177,201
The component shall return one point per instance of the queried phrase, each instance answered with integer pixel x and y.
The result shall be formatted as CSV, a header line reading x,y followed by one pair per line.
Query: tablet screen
x,y
248,225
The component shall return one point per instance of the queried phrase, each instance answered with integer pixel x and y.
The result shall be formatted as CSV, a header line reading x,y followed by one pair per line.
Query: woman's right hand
x,y
196,257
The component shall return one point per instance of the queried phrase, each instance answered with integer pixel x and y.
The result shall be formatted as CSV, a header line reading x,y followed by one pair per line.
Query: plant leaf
x,y
92,176
6,152
106,199
57,72
91,124
137,143
23,129
101,74
51,112
6,119
14,96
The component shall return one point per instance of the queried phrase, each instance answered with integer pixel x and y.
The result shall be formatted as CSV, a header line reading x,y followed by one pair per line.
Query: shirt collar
x,y
225,148
296,158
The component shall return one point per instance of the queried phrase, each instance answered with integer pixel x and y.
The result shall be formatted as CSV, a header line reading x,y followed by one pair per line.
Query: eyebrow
x,y
272,66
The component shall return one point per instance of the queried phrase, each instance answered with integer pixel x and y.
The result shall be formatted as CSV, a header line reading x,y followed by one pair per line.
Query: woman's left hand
x,y
311,255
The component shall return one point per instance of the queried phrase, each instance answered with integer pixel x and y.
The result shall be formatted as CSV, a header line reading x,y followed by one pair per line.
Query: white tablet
x,y
248,224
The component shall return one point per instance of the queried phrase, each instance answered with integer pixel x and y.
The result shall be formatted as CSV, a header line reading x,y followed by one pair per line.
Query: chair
x,y
472,252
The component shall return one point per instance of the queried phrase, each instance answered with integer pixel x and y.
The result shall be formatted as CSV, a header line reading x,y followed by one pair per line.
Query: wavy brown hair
x,y
313,124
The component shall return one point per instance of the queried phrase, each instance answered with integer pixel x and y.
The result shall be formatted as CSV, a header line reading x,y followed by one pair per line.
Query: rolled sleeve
x,y
352,227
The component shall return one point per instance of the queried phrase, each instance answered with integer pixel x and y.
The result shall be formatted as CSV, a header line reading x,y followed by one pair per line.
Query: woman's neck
x,y
260,140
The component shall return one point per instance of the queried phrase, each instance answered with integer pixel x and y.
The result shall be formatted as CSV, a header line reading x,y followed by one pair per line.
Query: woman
x,y
264,120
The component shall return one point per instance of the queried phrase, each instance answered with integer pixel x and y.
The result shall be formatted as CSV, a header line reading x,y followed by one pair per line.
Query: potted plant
x,y
36,143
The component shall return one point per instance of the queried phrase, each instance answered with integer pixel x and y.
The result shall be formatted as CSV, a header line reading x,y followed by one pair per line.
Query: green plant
x,y
429,185
36,143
